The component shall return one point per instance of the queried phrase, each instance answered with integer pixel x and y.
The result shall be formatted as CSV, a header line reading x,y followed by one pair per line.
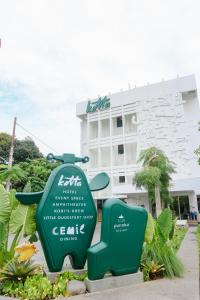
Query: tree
x,y
23,149
12,174
31,175
37,173
5,142
155,176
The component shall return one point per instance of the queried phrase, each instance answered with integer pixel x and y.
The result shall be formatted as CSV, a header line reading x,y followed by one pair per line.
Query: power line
x,y
45,144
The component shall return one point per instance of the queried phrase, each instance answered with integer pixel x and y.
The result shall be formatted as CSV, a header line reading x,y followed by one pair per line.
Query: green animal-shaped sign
x,y
122,236
66,213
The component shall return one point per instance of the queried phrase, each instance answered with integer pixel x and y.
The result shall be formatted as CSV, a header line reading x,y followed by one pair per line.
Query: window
x,y
119,122
121,179
121,149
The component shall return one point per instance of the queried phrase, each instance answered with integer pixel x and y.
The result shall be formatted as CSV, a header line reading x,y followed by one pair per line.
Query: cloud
x,y
57,53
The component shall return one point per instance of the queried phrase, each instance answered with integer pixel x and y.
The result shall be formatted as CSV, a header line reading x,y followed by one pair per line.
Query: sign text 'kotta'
x,y
100,104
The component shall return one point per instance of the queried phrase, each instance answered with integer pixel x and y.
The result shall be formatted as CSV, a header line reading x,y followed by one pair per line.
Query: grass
x,y
198,237
179,235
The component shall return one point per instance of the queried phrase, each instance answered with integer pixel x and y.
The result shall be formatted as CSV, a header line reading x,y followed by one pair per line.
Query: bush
x,y
35,287
60,285
39,287
152,270
179,235
158,246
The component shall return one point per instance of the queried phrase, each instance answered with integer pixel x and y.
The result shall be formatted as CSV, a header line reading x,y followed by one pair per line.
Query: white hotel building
x,y
165,115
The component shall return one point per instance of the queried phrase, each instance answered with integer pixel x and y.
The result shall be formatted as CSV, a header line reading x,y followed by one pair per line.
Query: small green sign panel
x,y
66,217
122,237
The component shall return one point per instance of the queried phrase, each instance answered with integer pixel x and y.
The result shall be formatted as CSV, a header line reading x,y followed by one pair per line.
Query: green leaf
x,y
20,270
15,242
149,233
33,238
4,257
5,208
3,235
13,174
23,216
13,201
27,188
171,235
148,176
156,171
164,222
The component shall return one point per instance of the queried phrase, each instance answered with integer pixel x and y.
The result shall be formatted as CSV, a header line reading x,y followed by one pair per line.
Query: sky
x,y
56,53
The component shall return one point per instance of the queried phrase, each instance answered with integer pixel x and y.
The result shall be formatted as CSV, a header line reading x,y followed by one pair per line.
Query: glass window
x,y
121,149
119,122
121,179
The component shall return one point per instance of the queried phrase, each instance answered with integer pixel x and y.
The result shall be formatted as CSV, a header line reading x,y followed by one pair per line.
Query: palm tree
x,y
155,176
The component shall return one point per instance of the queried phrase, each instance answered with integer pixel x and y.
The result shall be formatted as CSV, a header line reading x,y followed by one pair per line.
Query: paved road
x,y
186,288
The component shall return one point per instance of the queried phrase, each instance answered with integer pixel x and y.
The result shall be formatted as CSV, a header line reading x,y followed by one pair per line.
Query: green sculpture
x,y
66,213
122,237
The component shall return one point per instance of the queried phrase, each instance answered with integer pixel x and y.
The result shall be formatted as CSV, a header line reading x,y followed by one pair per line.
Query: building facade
x,y
115,128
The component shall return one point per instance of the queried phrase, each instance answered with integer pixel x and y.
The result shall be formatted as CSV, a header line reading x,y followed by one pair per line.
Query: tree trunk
x,y
158,201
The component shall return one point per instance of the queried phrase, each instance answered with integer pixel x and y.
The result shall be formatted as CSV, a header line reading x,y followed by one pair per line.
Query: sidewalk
x,y
186,288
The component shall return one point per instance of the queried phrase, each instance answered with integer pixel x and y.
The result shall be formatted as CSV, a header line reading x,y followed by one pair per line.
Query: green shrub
x,y
152,270
60,285
19,270
158,245
11,288
36,287
39,287
179,235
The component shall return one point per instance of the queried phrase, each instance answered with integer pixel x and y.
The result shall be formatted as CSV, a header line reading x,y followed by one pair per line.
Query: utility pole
x,y
10,161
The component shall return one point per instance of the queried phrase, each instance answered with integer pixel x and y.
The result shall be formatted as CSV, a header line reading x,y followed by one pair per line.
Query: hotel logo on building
x,y
100,104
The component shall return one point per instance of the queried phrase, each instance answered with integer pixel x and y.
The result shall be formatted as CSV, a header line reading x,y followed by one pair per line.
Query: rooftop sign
x,y
100,104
